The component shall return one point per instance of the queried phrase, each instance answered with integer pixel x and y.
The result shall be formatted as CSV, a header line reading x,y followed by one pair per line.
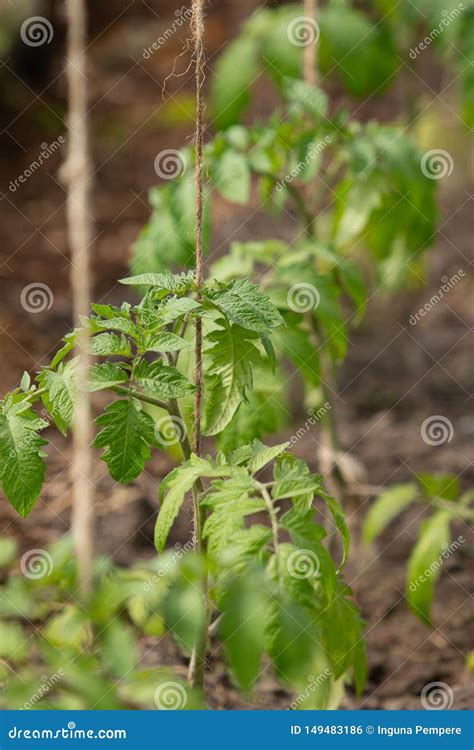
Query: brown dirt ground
x,y
395,375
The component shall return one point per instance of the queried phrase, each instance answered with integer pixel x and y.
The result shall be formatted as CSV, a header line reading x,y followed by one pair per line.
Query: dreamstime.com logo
x,y
170,163
303,31
436,564
437,430
170,430
48,682
181,15
436,164
447,18
36,564
446,286
170,696
313,684
67,733
314,150
47,150
36,31
36,297
303,563
169,563
437,696
303,297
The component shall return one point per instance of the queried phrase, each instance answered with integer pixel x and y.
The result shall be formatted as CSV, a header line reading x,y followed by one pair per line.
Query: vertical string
x,y
198,32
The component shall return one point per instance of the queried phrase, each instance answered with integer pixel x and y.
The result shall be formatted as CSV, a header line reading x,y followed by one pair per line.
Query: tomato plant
x,y
362,210
270,587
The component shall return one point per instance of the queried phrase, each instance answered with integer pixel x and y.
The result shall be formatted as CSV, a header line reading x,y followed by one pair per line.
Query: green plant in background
x,y
57,653
442,494
270,589
271,42
363,213
445,27
349,40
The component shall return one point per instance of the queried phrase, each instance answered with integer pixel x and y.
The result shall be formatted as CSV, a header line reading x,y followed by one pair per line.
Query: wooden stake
x,y
79,174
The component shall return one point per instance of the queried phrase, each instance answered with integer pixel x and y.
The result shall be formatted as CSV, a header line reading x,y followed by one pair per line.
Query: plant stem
x,y
329,437
197,663
273,516
302,211
141,397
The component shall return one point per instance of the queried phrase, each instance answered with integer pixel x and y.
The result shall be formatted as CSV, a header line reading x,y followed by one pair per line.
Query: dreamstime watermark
x,y
47,684
170,430
437,163
36,563
315,416
170,163
47,150
71,732
303,297
314,150
36,297
437,696
436,564
446,286
302,31
36,31
170,696
181,15
448,17
437,430
303,563
313,684
169,564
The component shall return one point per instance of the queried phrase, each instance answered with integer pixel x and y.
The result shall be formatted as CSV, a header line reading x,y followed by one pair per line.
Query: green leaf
x,y
177,307
178,283
234,73
173,491
232,177
445,486
349,43
162,380
167,342
117,324
61,393
342,631
263,455
264,413
110,344
242,628
69,630
105,375
25,382
294,480
297,345
127,434
387,506
111,311
69,344
22,468
119,649
228,363
425,563
245,305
